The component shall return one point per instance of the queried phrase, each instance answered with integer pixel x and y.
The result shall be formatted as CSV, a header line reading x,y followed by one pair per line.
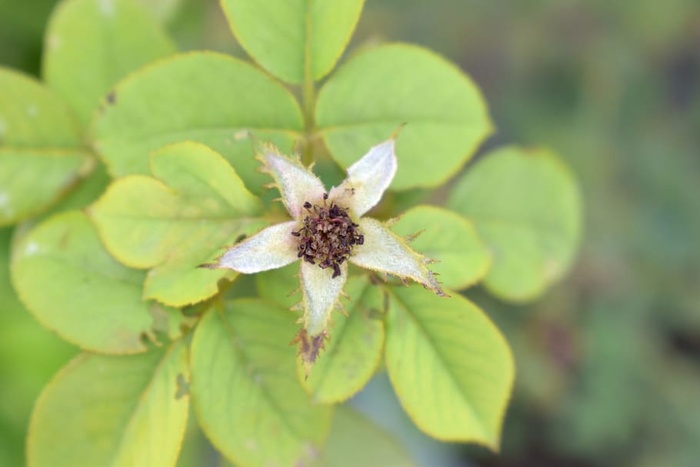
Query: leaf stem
x,y
308,95
309,102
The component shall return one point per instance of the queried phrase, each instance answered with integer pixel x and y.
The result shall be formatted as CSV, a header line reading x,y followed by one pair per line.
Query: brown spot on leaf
x,y
111,98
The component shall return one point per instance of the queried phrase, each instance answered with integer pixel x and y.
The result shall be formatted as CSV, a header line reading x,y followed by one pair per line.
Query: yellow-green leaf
x,y
29,357
180,218
84,194
527,209
206,97
245,391
380,89
117,411
280,285
162,10
449,365
294,39
91,44
462,258
72,286
41,154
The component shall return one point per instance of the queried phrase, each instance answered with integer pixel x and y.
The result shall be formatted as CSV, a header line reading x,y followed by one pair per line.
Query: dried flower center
x,y
327,235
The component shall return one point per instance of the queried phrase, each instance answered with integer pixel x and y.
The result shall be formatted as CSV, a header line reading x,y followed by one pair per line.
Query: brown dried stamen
x,y
327,235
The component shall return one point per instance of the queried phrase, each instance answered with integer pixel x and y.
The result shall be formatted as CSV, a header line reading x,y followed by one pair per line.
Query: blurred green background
x,y
609,360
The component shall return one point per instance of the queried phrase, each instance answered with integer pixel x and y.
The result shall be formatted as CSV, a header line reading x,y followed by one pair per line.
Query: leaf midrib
x,y
442,360
81,268
390,121
237,189
142,396
264,391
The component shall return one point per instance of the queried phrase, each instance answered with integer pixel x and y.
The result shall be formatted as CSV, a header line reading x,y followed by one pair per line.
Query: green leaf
x,y
181,218
33,116
91,44
40,148
450,239
351,430
450,366
205,97
380,89
293,39
84,194
244,387
280,286
527,209
354,349
102,410
72,286
162,10
29,356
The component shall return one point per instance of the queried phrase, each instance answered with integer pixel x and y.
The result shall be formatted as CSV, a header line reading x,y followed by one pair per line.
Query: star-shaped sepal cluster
x,y
328,231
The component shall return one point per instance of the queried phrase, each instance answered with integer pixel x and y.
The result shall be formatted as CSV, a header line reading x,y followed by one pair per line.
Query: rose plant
x,y
140,186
